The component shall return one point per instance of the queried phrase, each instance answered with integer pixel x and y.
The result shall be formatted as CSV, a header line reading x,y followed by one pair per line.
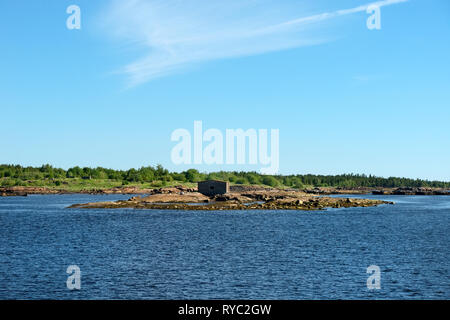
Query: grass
x,y
78,184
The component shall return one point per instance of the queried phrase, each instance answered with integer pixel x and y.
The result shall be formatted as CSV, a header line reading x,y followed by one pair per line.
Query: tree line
x,y
20,175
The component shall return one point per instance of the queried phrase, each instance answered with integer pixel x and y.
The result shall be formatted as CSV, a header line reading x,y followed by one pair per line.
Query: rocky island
x,y
238,198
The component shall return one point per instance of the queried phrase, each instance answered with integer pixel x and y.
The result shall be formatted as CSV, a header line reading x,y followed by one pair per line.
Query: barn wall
x,y
212,188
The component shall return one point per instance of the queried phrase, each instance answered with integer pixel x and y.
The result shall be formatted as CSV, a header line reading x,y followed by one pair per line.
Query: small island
x,y
218,195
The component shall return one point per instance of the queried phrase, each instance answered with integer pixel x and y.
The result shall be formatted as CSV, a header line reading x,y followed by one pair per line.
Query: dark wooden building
x,y
213,187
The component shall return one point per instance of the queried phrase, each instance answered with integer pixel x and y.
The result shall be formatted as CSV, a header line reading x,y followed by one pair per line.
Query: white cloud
x,y
177,34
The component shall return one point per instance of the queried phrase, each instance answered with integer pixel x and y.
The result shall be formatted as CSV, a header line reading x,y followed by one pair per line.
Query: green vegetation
x,y
77,178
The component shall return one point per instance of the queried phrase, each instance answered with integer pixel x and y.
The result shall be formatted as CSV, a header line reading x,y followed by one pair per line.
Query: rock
x,y
12,193
268,199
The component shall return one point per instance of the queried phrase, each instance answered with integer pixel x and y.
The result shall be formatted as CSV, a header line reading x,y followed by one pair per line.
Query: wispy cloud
x,y
177,34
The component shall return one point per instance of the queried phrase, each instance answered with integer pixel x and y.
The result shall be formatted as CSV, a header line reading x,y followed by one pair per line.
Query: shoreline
x,y
240,197
262,199
129,190
309,205
24,191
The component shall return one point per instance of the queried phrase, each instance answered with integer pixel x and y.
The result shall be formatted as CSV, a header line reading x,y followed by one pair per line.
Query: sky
x,y
344,98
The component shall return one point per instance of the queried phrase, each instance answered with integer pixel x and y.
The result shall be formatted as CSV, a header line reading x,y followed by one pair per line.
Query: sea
x,y
399,251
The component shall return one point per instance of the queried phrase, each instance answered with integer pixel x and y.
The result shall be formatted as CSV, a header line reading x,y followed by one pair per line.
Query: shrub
x,y
270,181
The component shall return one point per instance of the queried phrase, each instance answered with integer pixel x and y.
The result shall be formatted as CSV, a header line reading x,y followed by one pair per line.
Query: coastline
x,y
24,191
240,197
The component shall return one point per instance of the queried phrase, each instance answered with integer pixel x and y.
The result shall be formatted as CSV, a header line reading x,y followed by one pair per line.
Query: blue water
x,y
151,254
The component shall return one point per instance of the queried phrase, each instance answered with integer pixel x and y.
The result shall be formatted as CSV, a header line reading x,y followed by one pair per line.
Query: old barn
x,y
213,187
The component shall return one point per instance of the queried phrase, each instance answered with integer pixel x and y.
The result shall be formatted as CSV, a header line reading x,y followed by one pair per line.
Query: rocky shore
x,y
379,191
180,198
12,193
24,191
413,192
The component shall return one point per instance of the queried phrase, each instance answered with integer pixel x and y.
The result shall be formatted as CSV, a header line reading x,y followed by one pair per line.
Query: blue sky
x,y
345,98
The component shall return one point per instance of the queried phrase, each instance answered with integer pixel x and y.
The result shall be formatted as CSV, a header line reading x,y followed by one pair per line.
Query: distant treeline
x,y
15,175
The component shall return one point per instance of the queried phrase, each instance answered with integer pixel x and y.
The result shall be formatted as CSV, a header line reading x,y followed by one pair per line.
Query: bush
x,y
270,181
253,179
192,175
